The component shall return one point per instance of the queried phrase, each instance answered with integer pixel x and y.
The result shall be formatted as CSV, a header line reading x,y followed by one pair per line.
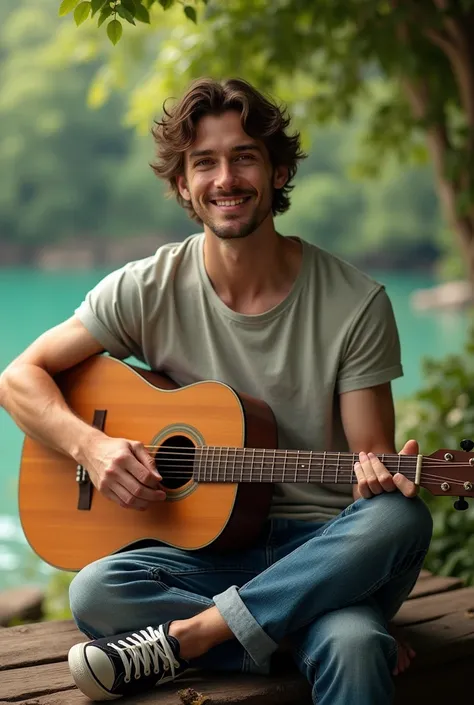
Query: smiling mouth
x,y
230,202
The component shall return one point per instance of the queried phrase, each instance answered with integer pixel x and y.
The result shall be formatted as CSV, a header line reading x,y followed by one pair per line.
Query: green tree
x,y
322,58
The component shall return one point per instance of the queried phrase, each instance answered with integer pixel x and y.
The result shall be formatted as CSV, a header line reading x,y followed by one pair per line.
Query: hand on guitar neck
x,y
123,471
374,478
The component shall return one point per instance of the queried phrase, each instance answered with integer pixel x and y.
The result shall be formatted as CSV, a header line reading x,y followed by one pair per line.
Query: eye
x,y
250,157
203,162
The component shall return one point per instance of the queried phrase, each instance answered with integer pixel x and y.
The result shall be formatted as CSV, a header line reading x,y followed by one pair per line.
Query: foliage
x,y
440,415
322,58
68,171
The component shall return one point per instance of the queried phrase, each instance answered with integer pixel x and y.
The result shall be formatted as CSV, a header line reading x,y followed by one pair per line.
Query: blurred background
x,y
78,197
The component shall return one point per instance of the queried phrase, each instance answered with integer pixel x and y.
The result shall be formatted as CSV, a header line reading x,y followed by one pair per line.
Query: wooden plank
x,y
441,641
21,683
31,644
222,689
431,607
434,584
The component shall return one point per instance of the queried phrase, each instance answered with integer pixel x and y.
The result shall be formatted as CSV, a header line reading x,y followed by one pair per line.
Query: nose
x,y
226,177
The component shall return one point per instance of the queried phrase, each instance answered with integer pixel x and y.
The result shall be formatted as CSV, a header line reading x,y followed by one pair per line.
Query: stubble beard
x,y
224,232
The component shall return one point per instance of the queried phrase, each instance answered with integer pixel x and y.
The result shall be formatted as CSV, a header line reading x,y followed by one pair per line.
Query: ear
x,y
182,185
280,176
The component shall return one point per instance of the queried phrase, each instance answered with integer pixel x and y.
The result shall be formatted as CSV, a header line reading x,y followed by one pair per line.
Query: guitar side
x,y
144,406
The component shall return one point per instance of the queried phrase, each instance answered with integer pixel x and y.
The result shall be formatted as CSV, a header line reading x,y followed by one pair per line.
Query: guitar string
x,y
238,475
291,453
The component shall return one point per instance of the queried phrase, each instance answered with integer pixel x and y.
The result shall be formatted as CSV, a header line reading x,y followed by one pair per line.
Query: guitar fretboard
x,y
226,464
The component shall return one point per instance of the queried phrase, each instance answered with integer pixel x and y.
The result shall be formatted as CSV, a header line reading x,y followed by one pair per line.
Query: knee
x,y
95,595
353,642
405,519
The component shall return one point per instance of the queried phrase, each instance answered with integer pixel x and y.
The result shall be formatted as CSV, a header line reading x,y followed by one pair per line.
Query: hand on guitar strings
x,y
374,478
124,472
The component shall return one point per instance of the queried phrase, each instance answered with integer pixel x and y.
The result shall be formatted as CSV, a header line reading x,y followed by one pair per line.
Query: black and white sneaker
x,y
126,664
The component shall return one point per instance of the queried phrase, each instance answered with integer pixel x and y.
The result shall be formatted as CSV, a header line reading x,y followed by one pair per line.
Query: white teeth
x,y
230,203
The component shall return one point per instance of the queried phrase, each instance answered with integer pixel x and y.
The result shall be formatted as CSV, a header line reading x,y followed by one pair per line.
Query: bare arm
x,y
118,467
32,398
368,418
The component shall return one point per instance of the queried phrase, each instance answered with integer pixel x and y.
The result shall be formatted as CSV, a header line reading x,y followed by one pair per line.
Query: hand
x,y
405,651
123,471
374,478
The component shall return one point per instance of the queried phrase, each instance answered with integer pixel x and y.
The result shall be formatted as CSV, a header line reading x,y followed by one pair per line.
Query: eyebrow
x,y
237,148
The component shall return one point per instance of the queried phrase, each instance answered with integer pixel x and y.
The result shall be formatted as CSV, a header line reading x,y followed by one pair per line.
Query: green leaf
x,y
190,13
96,5
104,13
141,13
67,6
129,5
125,14
114,31
166,4
81,13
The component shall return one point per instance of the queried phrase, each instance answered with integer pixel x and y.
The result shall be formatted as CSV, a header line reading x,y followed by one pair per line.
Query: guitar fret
x,y
297,461
261,468
310,462
219,462
322,468
251,466
337,466
284,466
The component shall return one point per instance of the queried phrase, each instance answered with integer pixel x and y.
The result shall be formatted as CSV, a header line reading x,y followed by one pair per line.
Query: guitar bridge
x,y
84,499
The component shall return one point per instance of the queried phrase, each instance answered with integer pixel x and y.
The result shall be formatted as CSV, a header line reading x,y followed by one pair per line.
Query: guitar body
x,y
147,407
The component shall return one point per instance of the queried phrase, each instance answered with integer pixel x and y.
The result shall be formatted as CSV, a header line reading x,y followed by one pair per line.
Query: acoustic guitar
x,y
216,450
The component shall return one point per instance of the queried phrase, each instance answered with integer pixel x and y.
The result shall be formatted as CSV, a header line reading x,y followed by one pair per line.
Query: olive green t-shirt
x,y
335,332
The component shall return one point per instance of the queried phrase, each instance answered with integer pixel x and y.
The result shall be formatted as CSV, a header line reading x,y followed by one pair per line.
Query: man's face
x,y
228,177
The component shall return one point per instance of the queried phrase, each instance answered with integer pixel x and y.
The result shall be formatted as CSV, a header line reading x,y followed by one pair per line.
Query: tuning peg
x,y
461,504
467,444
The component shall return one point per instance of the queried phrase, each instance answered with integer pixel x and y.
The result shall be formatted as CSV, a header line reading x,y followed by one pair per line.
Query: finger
x,y
383,476
137,490
362,483
120,497
406,486
410,448
144,469
370,475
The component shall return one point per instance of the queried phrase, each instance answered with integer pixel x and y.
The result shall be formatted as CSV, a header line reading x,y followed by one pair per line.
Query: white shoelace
x,y
146,647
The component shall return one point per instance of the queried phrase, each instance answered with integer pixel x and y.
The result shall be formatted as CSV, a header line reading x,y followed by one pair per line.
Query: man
x,y
286,322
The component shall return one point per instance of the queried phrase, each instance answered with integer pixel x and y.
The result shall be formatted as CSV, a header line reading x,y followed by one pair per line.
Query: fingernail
x,y
362,456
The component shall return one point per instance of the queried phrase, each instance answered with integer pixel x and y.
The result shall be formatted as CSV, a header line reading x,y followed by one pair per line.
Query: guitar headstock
x,y
450,472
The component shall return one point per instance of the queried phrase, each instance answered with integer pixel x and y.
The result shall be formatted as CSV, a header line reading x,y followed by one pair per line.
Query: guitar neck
x,y
226,464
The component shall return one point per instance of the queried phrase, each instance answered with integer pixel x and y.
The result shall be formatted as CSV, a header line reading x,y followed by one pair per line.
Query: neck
x,y
226,464
249,272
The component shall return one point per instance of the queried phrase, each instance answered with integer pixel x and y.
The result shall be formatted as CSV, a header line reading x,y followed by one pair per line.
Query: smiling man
x,y
284,321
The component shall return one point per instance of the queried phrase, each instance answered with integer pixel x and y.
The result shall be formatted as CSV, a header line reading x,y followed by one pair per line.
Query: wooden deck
x,y
438,619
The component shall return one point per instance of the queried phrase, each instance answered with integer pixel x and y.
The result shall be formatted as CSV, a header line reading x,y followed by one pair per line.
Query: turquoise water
x,y
32,301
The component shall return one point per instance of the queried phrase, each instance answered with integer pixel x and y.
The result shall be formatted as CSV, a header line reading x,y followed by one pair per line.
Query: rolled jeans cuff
x,y
245,627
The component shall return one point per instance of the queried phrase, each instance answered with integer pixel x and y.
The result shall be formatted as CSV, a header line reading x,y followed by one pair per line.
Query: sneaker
x,y
126,664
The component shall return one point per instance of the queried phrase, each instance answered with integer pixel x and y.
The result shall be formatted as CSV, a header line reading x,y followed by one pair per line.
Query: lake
x,y
33,301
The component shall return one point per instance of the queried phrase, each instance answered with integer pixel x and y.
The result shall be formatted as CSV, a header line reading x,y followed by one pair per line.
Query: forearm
x,y
34,401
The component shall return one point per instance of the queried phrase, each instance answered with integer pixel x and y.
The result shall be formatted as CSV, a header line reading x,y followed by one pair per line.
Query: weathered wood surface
x,y
438,619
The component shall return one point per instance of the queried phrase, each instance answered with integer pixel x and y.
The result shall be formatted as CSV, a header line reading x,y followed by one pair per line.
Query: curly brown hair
x,y
261,119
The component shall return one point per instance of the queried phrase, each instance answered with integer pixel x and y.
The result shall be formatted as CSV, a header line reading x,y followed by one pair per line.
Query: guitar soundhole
x,y
174,461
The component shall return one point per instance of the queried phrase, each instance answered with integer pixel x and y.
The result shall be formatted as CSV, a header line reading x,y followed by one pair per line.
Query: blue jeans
x,y
329,589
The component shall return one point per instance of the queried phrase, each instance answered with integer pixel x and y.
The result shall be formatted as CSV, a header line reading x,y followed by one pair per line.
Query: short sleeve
x,y
372,351
111,313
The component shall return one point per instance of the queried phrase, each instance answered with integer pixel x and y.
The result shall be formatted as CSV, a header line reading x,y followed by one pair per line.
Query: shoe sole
x,y
83,677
